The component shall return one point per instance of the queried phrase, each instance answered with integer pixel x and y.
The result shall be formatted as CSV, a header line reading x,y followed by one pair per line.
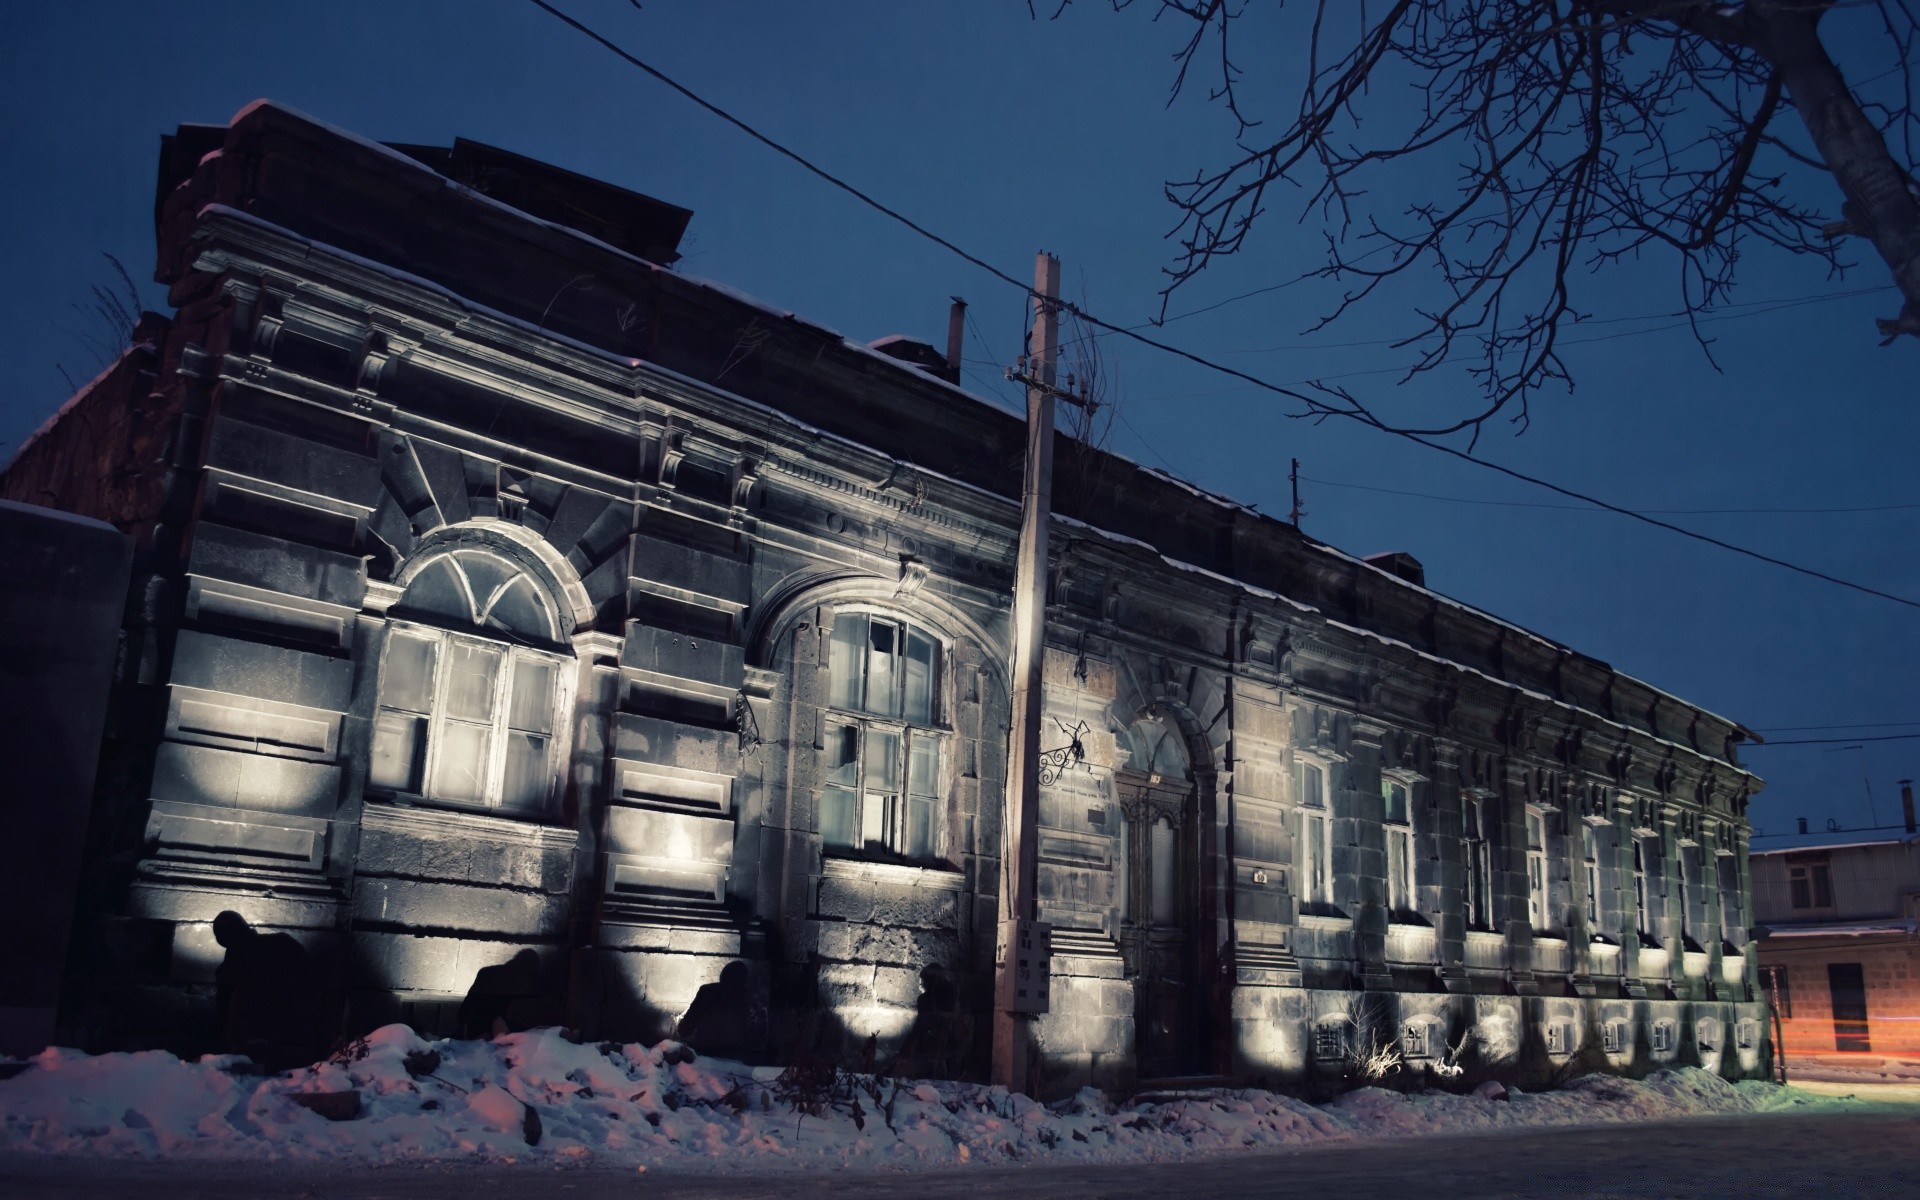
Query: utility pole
x,y
1293,477
1020,975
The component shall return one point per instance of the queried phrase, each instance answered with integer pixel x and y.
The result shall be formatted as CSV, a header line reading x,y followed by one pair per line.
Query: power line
x,y
1759,307
1799,728
1314,404
1840,741
1362,487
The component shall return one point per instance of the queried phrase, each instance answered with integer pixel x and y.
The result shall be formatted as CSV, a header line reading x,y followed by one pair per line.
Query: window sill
x,y
402,814
1330,918
867,870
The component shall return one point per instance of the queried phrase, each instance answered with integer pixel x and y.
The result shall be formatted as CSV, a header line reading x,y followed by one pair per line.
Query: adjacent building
x,y
1840,950
530,630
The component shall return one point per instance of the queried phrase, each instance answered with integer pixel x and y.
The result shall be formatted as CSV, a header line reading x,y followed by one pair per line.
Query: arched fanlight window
x,y
1155,747
471,689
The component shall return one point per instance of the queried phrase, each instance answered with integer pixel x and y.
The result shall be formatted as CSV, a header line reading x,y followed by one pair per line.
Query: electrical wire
x,y
1841,741
1316,406
1362,487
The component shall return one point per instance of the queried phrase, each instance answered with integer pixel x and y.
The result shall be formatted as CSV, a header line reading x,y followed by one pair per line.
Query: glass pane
x,y
531,708
883,669
880,805
460,762
1312,786
923,767
408,681
484,572
1395,795
520,609
1535,838
919,839
837,823
922,659
472,671
843,756
1162,870
439,589
398,739
846,658
1317,859
1397,887
883,762
528,777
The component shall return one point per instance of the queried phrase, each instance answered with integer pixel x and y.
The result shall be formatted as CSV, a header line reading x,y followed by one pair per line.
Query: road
x,y
1860,1153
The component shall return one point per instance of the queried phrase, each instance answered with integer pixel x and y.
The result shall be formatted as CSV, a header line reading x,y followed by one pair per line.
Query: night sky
x,y
1006,135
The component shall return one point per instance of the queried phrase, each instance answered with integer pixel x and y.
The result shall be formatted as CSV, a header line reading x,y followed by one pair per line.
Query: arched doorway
x,y
1160,921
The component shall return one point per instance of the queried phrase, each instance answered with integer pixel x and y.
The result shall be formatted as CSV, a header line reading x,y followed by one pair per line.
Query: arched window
x,y
884,743
470,689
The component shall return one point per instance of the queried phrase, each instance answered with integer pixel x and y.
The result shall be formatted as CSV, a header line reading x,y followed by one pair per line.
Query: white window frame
x,y
881,824
1478,846
438,718
1403,896
1538,915
1315,869
1590,846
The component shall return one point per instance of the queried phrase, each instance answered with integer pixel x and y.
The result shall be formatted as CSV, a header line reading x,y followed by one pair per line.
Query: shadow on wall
x,y
725,1020
509,997
273,1002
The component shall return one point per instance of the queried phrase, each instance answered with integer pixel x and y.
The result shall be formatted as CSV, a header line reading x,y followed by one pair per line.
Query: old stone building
x,y
532,631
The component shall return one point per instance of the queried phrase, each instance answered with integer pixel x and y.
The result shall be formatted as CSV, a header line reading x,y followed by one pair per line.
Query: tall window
x,y
467,710
883,748
1399,828
1479,864
1642,912
1590,853
1810,885
1316,853
1537,870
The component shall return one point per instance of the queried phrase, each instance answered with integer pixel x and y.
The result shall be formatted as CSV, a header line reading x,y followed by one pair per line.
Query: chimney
x,y
1906,803
956,336
1803,823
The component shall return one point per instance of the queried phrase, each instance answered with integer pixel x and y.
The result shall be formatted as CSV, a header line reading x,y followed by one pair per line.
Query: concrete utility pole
x,y
1020,977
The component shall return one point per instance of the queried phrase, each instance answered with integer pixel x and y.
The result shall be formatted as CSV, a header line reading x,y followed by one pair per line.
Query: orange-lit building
x,y
1840,950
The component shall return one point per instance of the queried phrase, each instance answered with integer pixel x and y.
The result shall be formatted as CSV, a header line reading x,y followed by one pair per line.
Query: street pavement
x,y
1872,1151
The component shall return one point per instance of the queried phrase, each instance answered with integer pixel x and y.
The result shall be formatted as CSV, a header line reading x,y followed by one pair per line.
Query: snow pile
x,y
539,1097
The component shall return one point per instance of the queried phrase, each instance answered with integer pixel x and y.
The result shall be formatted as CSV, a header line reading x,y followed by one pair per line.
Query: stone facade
x,y
508,602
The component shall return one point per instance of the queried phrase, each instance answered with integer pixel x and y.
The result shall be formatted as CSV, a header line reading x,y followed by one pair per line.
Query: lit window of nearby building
x,y
882,769
1399,826
1810,885
1663,1037
466,715
1479,863
1537,870
1315,844
1613,1037
1746,1033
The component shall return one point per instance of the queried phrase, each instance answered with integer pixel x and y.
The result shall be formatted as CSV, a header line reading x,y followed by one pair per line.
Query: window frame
x,y
1808,882
421,785
1315,864
886,833
1402,879
1478,847
1539,915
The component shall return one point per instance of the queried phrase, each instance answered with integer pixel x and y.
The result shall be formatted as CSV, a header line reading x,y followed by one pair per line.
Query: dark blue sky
x,y
1007,135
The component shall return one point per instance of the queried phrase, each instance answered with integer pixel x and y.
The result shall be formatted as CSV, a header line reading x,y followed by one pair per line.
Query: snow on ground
x,y
634,1106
